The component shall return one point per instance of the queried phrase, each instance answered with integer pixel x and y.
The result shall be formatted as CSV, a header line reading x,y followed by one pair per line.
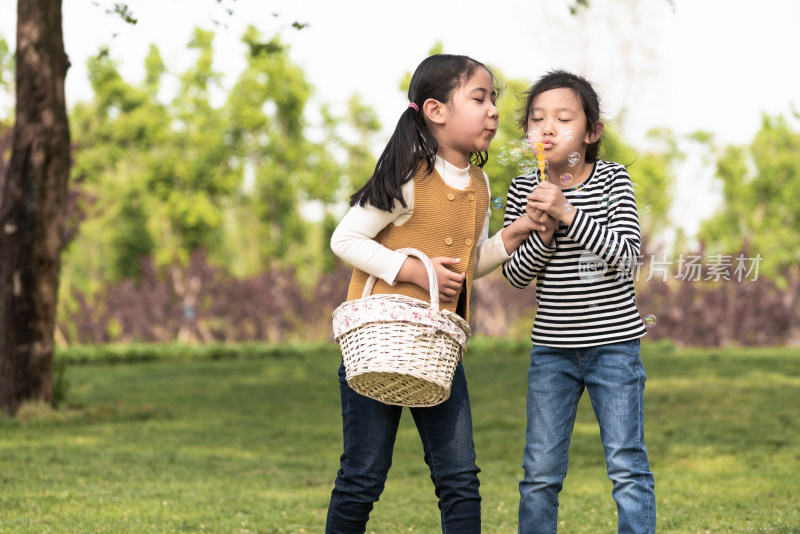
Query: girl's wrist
x,y
547,238
413,271
529,225
517,232
568,215
522,226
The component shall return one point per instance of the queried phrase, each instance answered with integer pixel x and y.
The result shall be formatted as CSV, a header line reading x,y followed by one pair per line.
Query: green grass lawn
x,y
252,445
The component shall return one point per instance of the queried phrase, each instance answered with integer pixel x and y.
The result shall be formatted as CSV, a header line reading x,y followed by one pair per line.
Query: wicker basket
x,y
397,349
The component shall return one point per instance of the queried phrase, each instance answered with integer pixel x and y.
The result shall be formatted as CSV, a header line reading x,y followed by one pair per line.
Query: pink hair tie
x,y
413,105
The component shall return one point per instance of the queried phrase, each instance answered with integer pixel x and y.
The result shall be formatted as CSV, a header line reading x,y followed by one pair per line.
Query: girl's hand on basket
x,y
450,282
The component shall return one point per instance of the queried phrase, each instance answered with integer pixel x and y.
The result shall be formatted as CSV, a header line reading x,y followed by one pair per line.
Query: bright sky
x,y
687,65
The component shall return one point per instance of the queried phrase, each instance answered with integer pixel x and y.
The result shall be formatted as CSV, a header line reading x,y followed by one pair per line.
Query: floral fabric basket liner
x,y
397,349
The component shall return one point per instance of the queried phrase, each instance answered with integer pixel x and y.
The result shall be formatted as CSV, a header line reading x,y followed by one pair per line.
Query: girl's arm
x,y
353,240
618,242
532,254
449,281
496,250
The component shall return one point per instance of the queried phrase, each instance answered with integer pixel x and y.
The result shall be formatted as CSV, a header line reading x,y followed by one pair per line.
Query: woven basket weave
x,y
397,349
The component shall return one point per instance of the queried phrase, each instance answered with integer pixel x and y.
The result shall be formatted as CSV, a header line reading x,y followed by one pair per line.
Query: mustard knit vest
x,y
445,222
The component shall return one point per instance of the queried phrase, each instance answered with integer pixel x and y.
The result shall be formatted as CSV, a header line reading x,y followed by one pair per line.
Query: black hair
x,y
558,79
412,144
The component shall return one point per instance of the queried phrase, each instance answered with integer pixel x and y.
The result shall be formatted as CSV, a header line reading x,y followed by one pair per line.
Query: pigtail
x,y
479,158
410,145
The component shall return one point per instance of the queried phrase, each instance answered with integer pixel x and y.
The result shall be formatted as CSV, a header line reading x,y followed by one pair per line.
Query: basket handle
x,y
433,282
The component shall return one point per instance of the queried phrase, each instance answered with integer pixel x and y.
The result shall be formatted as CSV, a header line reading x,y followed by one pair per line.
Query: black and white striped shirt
x,y
584,282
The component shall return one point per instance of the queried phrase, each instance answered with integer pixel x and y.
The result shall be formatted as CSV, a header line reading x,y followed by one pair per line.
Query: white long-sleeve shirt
x,y
354,238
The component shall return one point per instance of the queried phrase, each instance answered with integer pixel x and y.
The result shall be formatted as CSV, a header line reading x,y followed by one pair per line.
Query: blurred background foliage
x,y
201,214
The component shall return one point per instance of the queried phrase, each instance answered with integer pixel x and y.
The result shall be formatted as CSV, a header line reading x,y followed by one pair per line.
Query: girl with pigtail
x,y
428,192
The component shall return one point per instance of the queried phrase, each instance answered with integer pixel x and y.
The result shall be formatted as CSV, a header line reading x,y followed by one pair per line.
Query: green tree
x,y
162,177
298,169
362,124
192,175
267,128
650,172
117,134
760,214
34,193
248,181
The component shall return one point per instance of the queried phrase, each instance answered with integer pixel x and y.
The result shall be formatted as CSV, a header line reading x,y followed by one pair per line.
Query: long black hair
x,y
561,79
412,143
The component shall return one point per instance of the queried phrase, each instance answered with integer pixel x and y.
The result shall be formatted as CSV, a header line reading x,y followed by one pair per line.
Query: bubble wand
x,y
540,160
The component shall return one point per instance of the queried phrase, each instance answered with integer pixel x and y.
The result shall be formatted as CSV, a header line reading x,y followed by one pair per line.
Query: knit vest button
x,y
471,197
448,241
451,196
468,242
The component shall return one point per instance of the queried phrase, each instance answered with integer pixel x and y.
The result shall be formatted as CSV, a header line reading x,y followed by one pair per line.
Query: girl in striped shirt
x,y
587,327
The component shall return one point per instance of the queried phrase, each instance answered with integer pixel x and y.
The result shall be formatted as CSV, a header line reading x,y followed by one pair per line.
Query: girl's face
x,y
472,118
557,120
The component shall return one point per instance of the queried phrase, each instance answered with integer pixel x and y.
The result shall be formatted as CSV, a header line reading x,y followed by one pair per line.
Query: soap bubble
x,y
568,135
532,136
573,159
567,207
604,201
648,208
650,321
566,178
527,148
502,157
498,203
515,153
579,189
527,166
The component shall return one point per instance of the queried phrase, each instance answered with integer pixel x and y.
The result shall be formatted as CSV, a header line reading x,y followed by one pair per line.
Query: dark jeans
x,y
369,431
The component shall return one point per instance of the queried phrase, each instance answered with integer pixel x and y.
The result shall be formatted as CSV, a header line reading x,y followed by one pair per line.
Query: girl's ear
x,y
434,111
594,132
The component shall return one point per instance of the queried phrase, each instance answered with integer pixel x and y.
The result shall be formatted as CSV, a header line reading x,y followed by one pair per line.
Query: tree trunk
x,y
188,293
32,208
791,298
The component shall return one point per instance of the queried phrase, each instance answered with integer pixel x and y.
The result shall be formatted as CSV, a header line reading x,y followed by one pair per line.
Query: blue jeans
x,y
369,431
614,377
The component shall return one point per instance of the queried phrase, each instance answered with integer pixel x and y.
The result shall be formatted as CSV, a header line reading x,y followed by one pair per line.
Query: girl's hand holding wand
x,y
548,197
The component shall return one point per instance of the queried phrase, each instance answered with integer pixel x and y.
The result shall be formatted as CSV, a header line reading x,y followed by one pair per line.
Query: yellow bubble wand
x,y
540,159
